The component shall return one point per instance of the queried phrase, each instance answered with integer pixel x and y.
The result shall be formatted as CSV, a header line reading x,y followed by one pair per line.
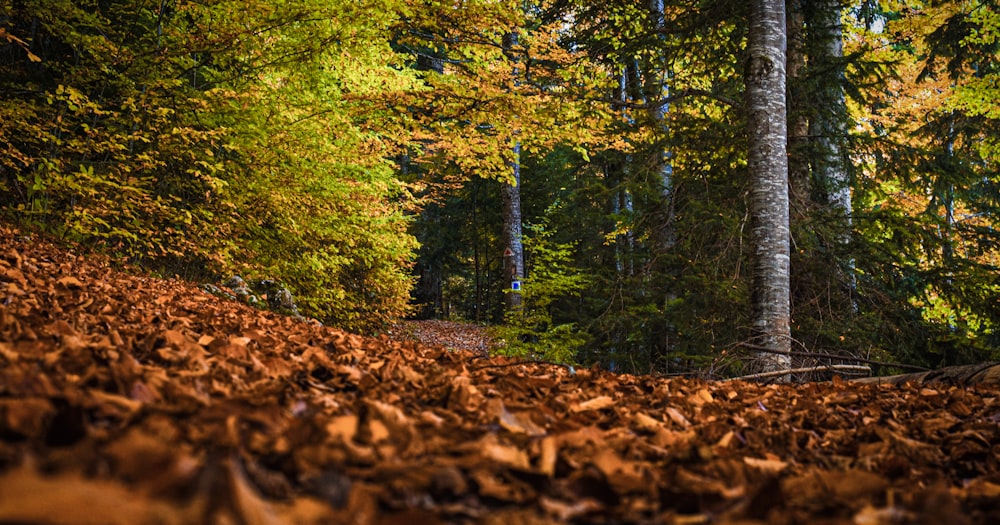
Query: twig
x,y
822,368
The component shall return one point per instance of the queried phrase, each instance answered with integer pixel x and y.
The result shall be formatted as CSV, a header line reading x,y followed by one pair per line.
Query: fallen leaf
x,y
770,466
69,282
568,511
678,418
506,455
596,403
70,498
516,423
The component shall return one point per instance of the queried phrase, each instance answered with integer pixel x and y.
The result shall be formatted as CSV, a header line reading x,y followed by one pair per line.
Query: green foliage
x,y
96,150
207,139
926,242
534,330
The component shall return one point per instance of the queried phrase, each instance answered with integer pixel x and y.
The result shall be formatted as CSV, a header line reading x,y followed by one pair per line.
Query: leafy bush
x,y
534,331
183,137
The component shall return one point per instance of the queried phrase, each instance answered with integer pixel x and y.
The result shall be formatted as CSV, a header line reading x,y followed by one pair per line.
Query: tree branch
x,y
758,348
821,368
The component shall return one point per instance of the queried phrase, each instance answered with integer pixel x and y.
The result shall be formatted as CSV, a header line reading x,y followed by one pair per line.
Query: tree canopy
x,y
358,152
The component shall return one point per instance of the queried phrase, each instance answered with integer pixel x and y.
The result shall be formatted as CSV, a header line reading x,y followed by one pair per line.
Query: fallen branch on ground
x,y
821,368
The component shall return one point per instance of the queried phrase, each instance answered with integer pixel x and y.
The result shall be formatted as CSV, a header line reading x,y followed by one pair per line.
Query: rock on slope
x,y
128,399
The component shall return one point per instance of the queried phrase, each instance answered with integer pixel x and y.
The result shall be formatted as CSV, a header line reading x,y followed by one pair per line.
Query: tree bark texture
x,y
768,167
512,240
828,127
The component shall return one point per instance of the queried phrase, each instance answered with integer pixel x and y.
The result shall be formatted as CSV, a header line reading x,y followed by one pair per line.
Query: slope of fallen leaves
x,y
127,399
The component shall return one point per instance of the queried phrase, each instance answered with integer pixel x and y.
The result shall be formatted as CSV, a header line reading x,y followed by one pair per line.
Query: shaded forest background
x,y
359,152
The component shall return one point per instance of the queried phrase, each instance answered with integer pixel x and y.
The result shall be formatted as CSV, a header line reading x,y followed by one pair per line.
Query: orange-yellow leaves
x,y
11,39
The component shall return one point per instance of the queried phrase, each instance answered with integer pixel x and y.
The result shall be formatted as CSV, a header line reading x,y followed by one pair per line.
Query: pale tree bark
x,y
657,87
768,165
828,127
512,240
622,204
657,83
511,202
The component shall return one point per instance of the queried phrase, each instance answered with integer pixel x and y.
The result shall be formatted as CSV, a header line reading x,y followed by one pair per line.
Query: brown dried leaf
x,y
72,499
69,282
769,466
678,418
596,403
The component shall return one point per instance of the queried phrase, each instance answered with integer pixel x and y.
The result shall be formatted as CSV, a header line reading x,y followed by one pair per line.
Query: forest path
x,y
453,335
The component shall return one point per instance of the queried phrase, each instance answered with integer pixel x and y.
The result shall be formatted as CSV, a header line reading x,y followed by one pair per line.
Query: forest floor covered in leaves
x,y
453,335
127,399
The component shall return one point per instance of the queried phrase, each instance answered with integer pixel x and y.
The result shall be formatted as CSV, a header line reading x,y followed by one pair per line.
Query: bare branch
x,y
818,355
821,368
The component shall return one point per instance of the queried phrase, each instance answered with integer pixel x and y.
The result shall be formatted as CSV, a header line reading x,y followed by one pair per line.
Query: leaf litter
x,y
144,400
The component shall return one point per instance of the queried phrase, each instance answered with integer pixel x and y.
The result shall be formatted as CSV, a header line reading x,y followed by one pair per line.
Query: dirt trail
x,y
450,334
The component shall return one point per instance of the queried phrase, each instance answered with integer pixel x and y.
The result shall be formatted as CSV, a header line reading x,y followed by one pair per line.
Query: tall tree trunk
x,y
477,255
512,240
828,128
511,202
768,166
947,247
657,87
616,170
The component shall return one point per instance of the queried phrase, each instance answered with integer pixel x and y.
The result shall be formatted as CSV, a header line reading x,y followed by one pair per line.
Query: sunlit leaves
x,y
929,175
480,97
204,137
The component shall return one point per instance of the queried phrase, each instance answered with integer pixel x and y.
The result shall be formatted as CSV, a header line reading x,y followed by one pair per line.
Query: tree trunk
x,y
511,202
768,167
828,131
656,87
828,126
513,247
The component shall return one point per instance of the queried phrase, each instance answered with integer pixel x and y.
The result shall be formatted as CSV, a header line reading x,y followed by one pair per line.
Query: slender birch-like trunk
x,y
511,202
657,86
828,128
768,166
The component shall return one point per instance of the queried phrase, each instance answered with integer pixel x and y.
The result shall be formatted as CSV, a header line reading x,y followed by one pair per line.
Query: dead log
x,y
983,374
